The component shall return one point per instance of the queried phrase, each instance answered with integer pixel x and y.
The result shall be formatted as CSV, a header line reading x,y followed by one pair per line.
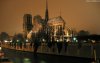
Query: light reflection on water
x,y
21,60
47,60
26,60
30,57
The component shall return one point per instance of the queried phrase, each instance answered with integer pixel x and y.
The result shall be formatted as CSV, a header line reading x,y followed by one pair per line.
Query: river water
x,y
30,57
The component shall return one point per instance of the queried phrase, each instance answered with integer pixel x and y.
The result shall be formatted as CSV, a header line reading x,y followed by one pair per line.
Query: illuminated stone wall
x,y
58,31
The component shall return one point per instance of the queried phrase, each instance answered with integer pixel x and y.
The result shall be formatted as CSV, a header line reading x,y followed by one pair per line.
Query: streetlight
x,y
17,40
43,40
27,40
94,50
0,48
5,41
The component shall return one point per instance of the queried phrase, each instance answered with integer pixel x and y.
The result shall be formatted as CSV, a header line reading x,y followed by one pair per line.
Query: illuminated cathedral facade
x,y
47,30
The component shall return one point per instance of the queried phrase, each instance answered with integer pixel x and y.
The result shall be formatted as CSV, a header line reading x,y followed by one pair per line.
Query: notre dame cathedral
x,y
44,30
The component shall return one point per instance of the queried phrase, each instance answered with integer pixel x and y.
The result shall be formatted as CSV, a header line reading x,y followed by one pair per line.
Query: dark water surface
x,y
30,57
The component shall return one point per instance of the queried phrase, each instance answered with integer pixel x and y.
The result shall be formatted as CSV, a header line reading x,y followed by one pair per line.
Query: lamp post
x,y
94,50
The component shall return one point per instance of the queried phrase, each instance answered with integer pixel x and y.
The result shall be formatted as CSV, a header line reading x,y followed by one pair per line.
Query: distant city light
x,y
57,40
26,40
74,38
43,40
10,40
17,40
93,41
5,41
0,48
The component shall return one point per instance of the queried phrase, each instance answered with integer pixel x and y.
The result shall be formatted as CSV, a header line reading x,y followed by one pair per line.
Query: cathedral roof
x,y
56,19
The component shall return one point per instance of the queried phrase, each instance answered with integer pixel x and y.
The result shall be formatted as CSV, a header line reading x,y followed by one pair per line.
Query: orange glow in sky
x,y
78,14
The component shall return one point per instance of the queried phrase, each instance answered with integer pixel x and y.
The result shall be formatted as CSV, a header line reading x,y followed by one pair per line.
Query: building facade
x,y
27,24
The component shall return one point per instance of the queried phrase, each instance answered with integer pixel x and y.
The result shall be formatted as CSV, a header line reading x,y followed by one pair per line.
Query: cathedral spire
x,y
46,13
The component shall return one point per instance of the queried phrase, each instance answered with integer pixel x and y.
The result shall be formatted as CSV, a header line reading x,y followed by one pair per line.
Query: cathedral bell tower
x,y
27,24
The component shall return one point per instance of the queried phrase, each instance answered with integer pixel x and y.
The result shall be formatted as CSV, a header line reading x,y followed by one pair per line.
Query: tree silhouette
x,y
83,33
18,39
4,36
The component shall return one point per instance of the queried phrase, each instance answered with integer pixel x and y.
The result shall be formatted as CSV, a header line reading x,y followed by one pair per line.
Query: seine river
x,y
30,57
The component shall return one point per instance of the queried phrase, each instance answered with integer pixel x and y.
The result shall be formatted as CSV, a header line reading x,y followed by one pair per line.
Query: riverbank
x,y
48,58
86,49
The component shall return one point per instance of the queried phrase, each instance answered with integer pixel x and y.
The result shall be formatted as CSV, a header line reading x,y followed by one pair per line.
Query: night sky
x,y
78,14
